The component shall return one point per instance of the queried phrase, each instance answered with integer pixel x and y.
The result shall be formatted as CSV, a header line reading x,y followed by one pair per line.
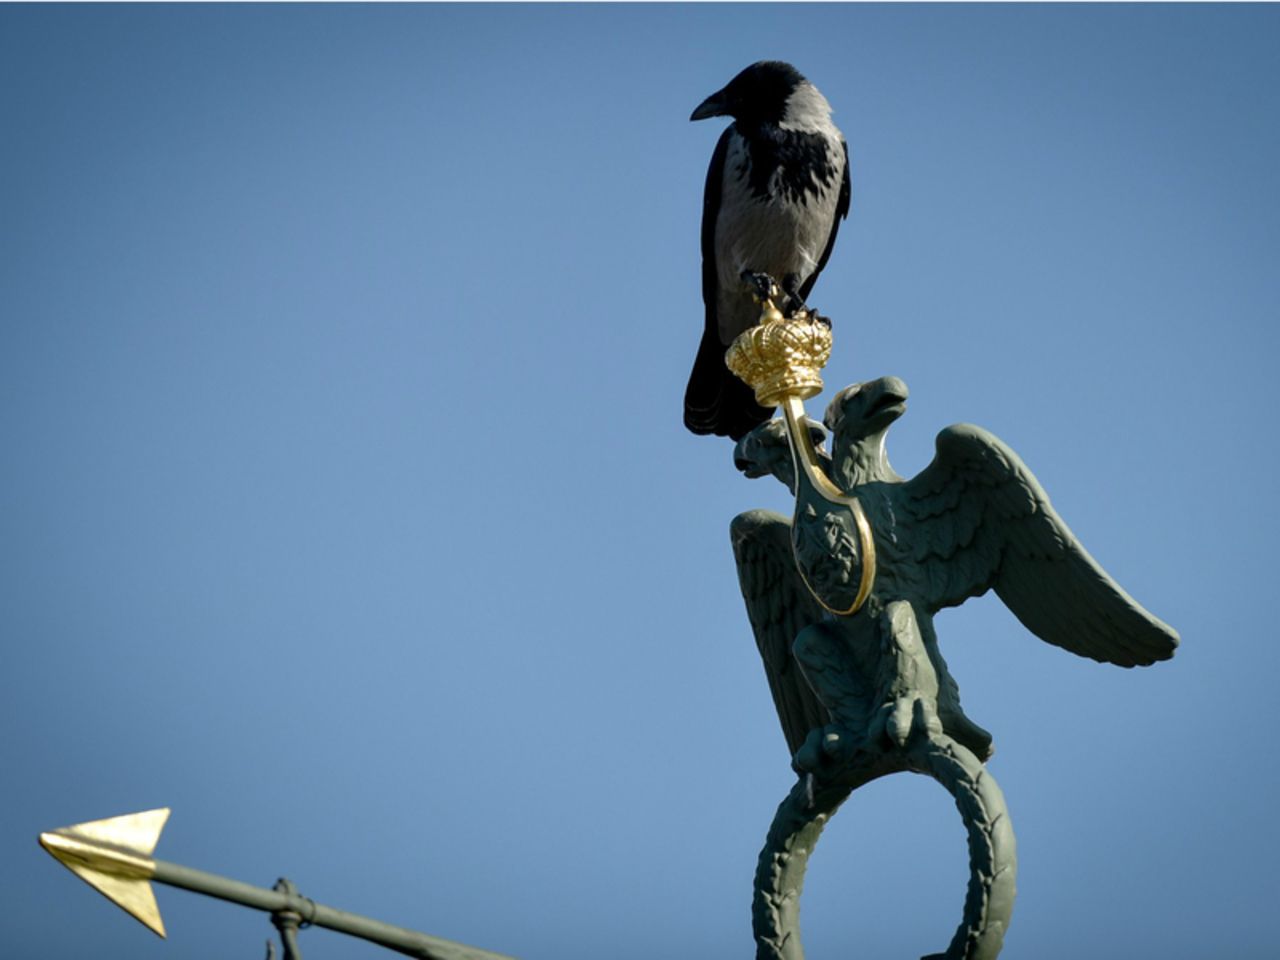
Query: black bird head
x,y
858,418
757,95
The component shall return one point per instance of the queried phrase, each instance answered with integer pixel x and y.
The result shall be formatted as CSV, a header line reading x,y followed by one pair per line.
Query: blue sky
x,y
346,507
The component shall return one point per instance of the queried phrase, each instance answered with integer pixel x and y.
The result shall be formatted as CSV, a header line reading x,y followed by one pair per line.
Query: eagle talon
x,y
899,719
825,748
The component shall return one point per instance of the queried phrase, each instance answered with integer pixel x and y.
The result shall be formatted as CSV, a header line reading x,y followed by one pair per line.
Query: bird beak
x,y
713,106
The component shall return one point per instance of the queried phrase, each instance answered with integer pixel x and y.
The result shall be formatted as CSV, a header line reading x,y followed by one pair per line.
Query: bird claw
x,y
795,305
763,287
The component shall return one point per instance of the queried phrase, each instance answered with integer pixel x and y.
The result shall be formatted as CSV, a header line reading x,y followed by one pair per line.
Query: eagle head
x,y
858,418
766,451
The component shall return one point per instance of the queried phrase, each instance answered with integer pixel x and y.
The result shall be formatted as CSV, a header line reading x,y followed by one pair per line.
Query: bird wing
x,y
716,401
779,607
842,211
711,196
980,519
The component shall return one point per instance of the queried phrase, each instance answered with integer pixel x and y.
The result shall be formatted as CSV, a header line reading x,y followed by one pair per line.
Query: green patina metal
x,y
290,910
864,694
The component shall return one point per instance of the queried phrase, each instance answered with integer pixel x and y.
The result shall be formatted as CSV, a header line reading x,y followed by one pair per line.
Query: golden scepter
x,y
781,359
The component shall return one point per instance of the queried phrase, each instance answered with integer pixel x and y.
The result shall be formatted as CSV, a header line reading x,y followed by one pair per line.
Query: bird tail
x,y
716,401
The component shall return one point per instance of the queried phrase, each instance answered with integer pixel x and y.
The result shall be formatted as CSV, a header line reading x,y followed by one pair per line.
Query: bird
x,y
777,189
975,519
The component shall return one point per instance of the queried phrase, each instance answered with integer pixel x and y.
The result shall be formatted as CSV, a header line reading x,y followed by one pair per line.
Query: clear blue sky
x,y
346,507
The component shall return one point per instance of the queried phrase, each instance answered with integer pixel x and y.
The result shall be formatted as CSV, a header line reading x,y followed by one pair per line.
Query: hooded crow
x,y
777,189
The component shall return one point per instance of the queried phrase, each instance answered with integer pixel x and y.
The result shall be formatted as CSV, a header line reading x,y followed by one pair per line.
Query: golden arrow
x,y
114,857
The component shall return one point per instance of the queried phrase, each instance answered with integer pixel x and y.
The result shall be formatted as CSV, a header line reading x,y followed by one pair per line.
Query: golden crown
x,y
781,356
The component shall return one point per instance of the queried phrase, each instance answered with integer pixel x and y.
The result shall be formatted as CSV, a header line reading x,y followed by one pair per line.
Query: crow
x,y
777,189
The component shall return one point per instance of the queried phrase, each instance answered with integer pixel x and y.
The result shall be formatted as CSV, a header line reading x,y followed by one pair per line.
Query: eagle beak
x,y
714,106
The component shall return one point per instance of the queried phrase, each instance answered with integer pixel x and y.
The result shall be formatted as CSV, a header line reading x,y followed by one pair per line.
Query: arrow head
x,y
114,857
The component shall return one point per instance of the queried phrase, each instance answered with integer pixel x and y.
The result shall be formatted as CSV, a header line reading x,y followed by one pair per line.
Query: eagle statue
x,y
975,519
860,687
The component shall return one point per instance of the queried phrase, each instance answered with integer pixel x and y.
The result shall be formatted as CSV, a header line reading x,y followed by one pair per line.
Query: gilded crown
x,y
780,356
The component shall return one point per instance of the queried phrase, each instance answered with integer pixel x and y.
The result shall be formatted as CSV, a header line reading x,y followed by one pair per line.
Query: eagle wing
x,y
779,607
981,520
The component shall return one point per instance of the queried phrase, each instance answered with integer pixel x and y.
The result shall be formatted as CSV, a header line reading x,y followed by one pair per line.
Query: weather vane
x,y
841,599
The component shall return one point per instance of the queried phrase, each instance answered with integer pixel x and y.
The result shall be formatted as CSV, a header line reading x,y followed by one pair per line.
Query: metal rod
x,y
409,942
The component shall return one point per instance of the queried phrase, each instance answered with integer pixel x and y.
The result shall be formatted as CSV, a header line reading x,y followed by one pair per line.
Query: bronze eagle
x,y
975,519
